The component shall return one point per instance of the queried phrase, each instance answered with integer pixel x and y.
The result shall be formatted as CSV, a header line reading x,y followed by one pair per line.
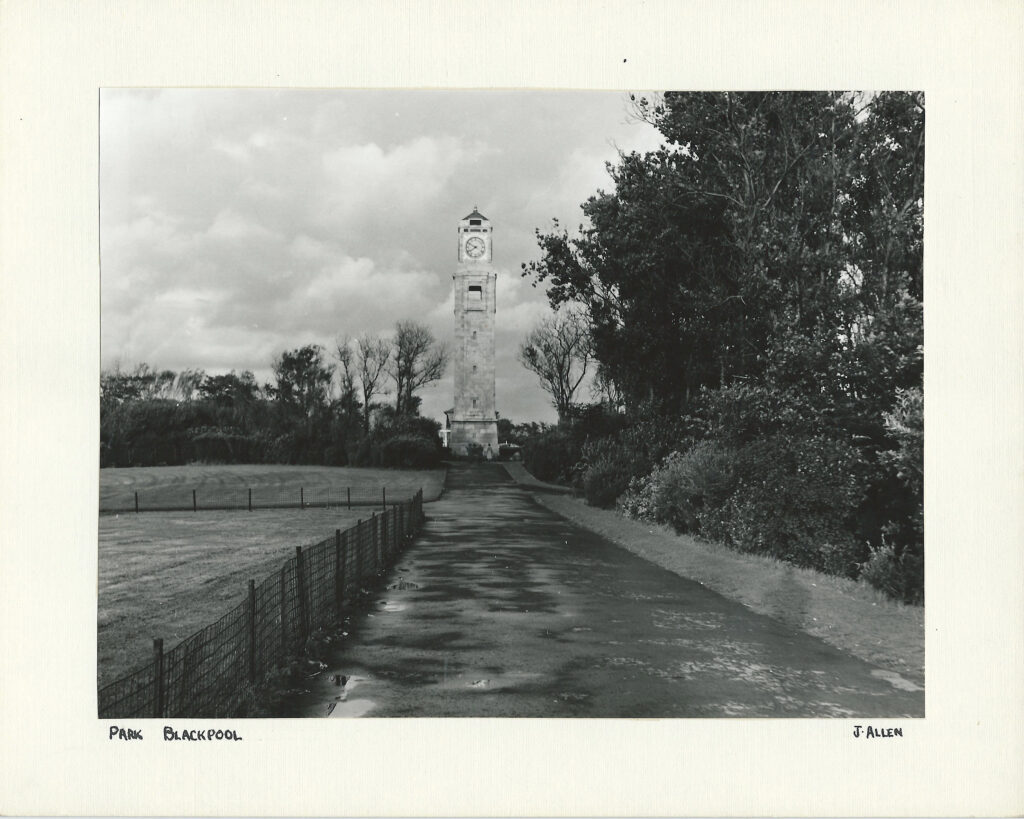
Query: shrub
x,y
686,490
607,468
409,452
742,413
883,571
552,455
795,499
688,485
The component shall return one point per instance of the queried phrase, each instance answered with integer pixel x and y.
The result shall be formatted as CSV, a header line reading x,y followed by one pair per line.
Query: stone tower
x,y
473,419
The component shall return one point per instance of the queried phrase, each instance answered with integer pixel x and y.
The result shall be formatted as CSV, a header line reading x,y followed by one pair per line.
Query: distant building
x,y
473,419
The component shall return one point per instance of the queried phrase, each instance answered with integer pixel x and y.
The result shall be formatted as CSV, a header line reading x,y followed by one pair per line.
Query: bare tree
x,y
347,362
559,351
418,360
372,356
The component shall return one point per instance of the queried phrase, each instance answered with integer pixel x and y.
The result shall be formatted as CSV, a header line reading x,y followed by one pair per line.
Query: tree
x,y
558,350
230,389
142,383
188,383
372,355
762,240
303,382
417,360
347,376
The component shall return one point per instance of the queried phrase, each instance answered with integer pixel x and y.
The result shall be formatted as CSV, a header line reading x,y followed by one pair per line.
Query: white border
x,y
964,758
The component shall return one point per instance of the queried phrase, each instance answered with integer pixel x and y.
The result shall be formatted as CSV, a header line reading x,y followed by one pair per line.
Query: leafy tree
x,y
230,389
303,380
758,231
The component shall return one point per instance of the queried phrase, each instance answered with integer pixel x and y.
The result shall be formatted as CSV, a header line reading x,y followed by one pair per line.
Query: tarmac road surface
x,y
503,609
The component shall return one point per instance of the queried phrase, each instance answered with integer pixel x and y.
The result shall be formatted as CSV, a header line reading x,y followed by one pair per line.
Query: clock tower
x,y
473,419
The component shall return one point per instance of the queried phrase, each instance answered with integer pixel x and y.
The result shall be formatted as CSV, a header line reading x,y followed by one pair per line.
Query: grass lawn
x,y
270,483
168,574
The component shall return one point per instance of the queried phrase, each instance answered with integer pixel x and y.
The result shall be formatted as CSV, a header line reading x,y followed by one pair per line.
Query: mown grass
x,y
168,574
173,485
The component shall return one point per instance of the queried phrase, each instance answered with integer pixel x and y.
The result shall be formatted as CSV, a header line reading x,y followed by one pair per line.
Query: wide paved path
x,y
504,609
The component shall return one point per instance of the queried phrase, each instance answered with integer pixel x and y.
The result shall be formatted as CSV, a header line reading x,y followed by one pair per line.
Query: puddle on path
x,y
342,706
509,679
391,605
895,680
350,709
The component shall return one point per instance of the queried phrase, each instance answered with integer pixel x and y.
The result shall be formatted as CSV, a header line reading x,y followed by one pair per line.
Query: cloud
x,y
236,224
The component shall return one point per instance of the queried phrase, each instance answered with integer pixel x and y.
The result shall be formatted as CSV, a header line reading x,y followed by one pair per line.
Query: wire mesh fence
x,y
213,497
203,674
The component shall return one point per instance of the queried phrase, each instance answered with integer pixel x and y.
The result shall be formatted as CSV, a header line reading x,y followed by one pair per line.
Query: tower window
x,y
475,222
474,403
476,292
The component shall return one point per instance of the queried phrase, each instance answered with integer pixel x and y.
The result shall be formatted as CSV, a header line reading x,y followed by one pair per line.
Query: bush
x,y
686,490
893,517
409,452
742,413
603,481
796,499
552,456
690,485
607,467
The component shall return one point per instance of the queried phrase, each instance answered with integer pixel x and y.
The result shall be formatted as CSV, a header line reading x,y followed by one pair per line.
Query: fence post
x,y
300,583
384,497
339,573
302,499
158,677
250,498
384,537
375,525
136,503
359,554
252,630
194,506
349,494
284,617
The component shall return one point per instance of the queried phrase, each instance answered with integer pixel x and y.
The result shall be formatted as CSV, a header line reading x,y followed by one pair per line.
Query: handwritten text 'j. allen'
x,y
876,733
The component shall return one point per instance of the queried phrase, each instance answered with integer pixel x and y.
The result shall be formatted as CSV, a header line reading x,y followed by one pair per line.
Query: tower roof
x,y
474,215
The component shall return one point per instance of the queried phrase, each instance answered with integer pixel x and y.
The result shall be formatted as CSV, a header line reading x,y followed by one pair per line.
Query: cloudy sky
x,y
236,224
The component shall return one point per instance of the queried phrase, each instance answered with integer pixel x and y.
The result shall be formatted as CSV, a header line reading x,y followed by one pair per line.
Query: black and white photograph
x,y
511,409
511,404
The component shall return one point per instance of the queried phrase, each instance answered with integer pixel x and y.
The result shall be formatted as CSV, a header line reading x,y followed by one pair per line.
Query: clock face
x,y
475,247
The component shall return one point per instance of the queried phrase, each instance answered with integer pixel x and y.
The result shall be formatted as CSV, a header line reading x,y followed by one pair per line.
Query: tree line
x,y
752,295
321,407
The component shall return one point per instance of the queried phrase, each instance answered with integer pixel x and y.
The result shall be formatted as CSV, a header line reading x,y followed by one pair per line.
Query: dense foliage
x,y
313,412
754,293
